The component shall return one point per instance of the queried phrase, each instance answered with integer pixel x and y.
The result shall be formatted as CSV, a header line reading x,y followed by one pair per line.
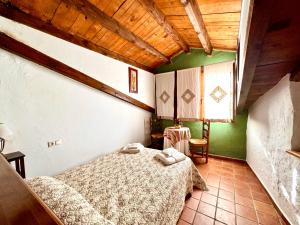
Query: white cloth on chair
x,y
165,95
189,94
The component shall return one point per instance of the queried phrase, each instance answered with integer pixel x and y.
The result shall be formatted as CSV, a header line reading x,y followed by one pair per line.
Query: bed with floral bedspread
x,y
120,189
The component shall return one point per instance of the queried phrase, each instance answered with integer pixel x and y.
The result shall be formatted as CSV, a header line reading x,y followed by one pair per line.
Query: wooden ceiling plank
x,y
111,24
11,12
260,20
195,16
161,19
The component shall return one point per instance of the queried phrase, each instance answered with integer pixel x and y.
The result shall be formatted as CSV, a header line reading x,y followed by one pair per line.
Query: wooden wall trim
x,y
11,12
259,24
113,25
161,19
33,55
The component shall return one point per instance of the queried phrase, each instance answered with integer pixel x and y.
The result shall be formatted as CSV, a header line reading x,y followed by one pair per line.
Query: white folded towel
x,y
172,152
170,156
132,148
165,160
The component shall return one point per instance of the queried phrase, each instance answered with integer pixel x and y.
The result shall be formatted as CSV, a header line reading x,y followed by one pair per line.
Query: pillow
x,y
68,205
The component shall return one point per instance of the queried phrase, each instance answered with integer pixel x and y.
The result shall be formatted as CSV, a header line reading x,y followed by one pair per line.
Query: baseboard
x,y
226,158
282,214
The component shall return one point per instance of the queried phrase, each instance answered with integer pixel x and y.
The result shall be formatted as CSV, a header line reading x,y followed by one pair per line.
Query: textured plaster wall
x,y
39,105
270,133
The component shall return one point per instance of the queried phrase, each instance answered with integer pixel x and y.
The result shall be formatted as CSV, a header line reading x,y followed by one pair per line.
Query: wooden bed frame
x,y
18,204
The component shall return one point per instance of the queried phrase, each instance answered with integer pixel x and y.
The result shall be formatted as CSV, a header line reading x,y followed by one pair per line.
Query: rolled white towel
x,y
164,159
169,151
135,146
132,148
172,152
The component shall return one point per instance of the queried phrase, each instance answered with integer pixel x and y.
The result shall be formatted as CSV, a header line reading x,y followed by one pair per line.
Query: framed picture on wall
x,y
133,80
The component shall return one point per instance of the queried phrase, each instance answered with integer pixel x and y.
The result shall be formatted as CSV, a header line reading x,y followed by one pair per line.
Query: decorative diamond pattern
x,y
164,97
188,96
218,94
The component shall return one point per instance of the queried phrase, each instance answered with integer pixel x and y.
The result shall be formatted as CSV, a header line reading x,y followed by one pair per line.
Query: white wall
x,y
270,133
39,105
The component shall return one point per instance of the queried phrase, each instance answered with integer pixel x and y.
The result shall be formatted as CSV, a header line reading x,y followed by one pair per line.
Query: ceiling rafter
x,y
91,11
11,12
160,18
195,16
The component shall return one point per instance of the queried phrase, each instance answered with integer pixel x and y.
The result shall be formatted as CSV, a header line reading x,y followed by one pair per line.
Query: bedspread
x,y
135,189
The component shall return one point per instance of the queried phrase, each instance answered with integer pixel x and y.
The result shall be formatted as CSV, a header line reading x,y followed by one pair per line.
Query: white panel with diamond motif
x,y
218,92
165,94
188,94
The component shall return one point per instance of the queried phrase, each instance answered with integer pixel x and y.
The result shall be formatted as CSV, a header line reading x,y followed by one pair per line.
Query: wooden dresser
x,y
18,204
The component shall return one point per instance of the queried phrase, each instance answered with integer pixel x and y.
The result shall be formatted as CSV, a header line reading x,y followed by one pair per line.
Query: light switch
x,y
58,142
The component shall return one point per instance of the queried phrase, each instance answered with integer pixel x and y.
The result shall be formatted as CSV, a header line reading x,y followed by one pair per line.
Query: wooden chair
x,y
201,144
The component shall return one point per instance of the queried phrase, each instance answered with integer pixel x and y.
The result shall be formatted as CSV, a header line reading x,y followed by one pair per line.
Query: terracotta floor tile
x,y
262,197
227,187
227,180
241,184
197,193
244,201
219,223
201,219
267,219
212,190
226,195
213,182
246,212
245,192
182,222
257,188
239,191
226,205
265,208
207,209
192,203
244,221
225,217
188,215
210,199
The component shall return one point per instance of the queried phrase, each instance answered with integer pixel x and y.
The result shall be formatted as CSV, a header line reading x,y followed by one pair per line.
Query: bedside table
x,y
18,157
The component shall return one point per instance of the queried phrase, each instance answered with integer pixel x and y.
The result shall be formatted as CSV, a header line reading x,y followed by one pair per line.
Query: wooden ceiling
x,y
276,52
143,33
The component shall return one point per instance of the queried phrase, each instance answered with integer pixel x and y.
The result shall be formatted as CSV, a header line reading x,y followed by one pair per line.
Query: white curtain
x,y
165,95
189,94
218,91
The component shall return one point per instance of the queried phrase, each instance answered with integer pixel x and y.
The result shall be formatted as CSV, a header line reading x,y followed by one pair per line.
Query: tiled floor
x,y
235,197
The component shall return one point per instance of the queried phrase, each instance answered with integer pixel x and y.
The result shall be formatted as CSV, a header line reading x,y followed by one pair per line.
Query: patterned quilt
x,y
135,189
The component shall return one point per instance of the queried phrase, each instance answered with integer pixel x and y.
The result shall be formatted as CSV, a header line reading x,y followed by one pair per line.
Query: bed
x,y
119,189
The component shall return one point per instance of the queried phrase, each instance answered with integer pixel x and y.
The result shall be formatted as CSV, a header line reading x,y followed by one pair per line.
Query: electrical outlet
x,y
50,144
58,142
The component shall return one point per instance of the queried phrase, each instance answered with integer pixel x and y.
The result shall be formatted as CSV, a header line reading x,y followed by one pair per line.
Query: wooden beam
x,y
91,11
195,16
40,58
11,12
259,24
160,18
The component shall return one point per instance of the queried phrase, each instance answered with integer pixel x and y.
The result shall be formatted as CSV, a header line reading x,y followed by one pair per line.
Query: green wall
x,y
195,58
226,139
